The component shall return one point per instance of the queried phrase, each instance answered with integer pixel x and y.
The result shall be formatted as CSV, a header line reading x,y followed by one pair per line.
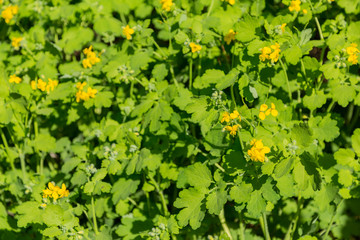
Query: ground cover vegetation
x,y
179,119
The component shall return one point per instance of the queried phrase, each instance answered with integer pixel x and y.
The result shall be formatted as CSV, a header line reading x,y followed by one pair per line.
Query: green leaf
x,y
241,193
257,7
355,140
268,192
160,72
228,80
191,202
300,176
257,205
324,129
53,215
343,94
302,135
315,100
293,55
246,29
123,188
211,76
28,212
197,175
45,143
345,177
216,201
284,167
107,24
103,99
52,232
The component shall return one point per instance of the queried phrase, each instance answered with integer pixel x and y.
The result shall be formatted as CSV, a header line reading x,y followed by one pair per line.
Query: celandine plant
x,y
179,119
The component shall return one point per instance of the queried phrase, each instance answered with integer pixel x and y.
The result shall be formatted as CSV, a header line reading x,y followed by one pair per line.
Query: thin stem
x,y
330,107
332,220
224,225
287,80
319,28
166,211
190,72
158,47
219,167
210,8
232,95
242,227
94,216
173,76
3,137
264,226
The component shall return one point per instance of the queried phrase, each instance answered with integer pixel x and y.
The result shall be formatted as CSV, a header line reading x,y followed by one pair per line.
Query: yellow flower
x,y
195,47
295,5
265,111
91,92
265,51
41,85
235,114
14,78
80,85
9,12
283,27
127,31
231,2
230,36
166,5
225,117
232,129
51,85
55,192
33,85
43,205
353,52
82,95
258,151
305,11
15,42
91,58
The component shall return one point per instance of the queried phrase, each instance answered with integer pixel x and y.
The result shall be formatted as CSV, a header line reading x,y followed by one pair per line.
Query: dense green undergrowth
x,y
160,119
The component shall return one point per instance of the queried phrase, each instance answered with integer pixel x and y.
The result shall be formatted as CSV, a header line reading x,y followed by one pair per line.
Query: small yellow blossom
x,y
91,58
283,27
195,47
234,115
9,12
225,117
41,85
231,2
353,52
43,205
91,92
15,42
270,53
258,151
33,85
230,36
55,192
266,111
84,95
295,6
14,78
166,5
305,11
128,31
51,85
232,129
80,85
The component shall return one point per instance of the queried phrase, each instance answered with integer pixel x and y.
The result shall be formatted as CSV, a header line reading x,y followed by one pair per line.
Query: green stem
x,y
224,225
210,8
242,228
173,76
330,107
166,211
190,72
332,220
264,226
3,137
232,95
94,216
158,47
287,81
319,28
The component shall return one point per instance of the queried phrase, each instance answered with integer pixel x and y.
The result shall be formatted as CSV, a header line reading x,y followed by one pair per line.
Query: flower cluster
x,y
230,36
266,111
15,42
258,150
55,192
353,52
14,78
82,95
90,59
128,31
9,13
270,53
295,6
166,5
231,121
44,86
231,2
195,47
